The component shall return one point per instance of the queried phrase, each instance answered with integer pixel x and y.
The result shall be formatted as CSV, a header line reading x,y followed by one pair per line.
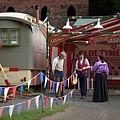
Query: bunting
x,y
35,80
29,83
5,93
45,82
37,101
57,86
19,108
11,107
64,99
51,102
21,88
29,103
1,110
57,101
14,91
41,77
11,110
53,86
1,91
50,85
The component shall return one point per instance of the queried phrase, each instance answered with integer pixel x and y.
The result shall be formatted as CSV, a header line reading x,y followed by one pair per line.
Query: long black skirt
x,y
100,93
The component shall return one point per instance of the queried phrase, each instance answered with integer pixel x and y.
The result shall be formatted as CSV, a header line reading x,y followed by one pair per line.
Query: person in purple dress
x,y
101,71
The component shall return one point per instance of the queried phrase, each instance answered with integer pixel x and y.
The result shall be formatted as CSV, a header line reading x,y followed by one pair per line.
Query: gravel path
x,y
88,110
83,109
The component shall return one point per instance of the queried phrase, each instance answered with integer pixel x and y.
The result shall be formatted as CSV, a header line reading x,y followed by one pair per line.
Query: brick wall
x,y
56,7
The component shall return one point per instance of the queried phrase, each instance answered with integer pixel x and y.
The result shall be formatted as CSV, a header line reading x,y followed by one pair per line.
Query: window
x,y
9,36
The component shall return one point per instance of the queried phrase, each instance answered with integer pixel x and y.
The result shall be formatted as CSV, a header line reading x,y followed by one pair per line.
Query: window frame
x,y
9,37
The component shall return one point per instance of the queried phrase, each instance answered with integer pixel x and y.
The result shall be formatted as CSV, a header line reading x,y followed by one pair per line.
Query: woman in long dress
x,y
101,71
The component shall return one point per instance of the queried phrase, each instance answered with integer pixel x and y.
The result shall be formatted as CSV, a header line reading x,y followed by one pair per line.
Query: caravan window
x,y
3,36
9,36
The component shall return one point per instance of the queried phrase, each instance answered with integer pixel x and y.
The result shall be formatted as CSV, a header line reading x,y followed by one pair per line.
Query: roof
x,y
25,18
87,32
81,22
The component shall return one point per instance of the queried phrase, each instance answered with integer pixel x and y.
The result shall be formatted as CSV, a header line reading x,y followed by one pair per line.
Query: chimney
x,y
37,14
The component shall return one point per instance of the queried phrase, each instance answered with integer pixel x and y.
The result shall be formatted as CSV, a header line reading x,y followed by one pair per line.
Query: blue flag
x,y
68,97
57,102
41,78
64,84
1,91
19,108
21,89
53,86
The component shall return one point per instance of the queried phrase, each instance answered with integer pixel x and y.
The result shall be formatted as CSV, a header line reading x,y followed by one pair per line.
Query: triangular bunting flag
x,y
64,84
50,85
61,86
57,86
1,91
57,101
51,102
35,80
29,83
19,108
5,93
29,103
1,110
68,82
14,91
11,110
46,101
71,93
21,88
68,96
53,86
64,99
37,101
60,98
45,82
71,80
41,78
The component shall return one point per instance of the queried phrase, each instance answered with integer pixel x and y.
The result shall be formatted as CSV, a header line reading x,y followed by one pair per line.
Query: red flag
x,y
29,103
61,86
60,98
46,101
14,91
35,79
1,109
50,84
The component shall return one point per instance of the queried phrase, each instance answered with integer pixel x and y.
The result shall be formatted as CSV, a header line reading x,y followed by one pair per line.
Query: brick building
x,y
56,8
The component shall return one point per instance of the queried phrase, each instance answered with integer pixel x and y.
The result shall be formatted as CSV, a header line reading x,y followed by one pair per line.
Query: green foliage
x,y
104,7
36,114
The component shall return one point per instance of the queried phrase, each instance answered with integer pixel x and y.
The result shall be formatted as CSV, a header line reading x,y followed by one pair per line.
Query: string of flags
x,y
39,100
43,78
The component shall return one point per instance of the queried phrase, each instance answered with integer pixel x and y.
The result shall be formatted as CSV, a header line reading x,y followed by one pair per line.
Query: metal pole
x,y
47,48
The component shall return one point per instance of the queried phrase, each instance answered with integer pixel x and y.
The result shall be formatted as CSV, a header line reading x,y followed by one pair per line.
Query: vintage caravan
x,y
23,46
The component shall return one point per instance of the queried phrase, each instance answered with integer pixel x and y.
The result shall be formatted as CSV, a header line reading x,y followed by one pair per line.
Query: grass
x,y
36,114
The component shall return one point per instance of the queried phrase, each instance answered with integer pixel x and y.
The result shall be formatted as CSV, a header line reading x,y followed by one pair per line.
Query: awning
x,y
86,32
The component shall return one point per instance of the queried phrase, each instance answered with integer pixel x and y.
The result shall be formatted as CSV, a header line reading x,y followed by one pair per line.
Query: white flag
x,y
51,102
57,86
64,99
11,110
37,101
5,93
45,82
68,82
29,82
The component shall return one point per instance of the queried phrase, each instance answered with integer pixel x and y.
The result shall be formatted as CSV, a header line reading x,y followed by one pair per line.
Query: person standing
x,y
82,66
57,68
101,71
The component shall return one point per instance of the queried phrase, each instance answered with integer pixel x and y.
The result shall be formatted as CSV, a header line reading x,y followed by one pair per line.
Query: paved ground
x,y
81,110
88,110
